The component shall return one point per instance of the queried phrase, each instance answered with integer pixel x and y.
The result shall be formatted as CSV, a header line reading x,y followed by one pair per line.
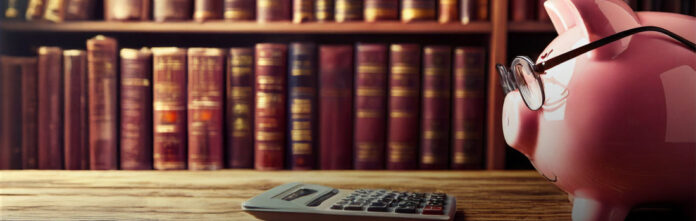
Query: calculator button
x,y
337,206
433,210
353,207
406,209
383,208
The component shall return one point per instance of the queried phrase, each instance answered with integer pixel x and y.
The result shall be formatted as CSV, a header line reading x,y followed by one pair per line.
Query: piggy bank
x,y
617,128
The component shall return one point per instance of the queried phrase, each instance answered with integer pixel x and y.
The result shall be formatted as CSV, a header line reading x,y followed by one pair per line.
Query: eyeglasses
x,y
524,74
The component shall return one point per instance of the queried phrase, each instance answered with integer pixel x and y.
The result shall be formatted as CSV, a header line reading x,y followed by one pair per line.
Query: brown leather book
x,y
204,10
103,103
468,108
269,128
136,109
171,10
404,107
15,116
206,68
482,12
324,10
126,10
435,106
336,107
35,9
240,10
273,10
68,10
467,11
542,15
240,104
521,10
370,106
303,10
50,108
76,141
418,10
302,106
449,11
348,10
380,10
169,108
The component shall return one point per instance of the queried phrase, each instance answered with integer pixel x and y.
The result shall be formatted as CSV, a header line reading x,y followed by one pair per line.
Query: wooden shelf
x,y
394,27
531,26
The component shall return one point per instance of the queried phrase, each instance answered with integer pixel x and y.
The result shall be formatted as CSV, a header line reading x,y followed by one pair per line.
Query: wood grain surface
x,y
217,195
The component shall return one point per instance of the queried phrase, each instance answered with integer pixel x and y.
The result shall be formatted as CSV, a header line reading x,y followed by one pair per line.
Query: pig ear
x,y
596,19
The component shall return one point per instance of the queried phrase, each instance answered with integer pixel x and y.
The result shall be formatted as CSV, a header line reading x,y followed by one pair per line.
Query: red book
x,y
14,72
435,106
404,107
378,10
370,106
467,11
482,10
468,108
50,108
136,109
204,10
348,10
521,10
169,108
103,106
269,128
76,125
30,113
272,10
240,10
541,11
205,99
448,11
126,10
335,107
302,10
240,101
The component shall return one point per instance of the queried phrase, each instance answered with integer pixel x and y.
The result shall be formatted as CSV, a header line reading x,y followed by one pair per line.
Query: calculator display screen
x,y
298,193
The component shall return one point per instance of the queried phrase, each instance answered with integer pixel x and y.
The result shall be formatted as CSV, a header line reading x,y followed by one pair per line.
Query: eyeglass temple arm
x,y
596,44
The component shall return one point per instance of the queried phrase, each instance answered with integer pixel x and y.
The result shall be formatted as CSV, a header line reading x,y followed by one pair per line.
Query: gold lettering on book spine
x,y
367,151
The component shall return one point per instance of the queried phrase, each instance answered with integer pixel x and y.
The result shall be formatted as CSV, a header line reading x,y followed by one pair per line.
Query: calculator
x,y
299,201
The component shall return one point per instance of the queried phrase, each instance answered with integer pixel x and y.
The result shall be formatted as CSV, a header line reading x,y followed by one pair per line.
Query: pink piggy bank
x,y
617,128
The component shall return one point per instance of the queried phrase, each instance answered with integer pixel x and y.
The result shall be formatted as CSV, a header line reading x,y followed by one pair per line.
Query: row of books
x,y
533,10
262,10
275,106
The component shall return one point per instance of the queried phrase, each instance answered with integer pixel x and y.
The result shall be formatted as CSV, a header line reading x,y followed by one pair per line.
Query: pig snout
x,y
520,124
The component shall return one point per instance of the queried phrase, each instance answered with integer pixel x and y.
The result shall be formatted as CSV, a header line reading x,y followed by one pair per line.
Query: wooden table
x,y
217,195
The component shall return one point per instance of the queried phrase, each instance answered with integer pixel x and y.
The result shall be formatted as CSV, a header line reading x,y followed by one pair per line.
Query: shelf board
x,y
531,27
387,27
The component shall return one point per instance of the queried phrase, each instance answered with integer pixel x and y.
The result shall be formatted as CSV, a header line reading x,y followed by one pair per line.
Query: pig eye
x,y
528,82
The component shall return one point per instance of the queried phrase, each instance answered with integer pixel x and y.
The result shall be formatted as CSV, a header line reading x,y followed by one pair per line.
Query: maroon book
x,y
541,11
468,108
435,106
206,68
521,10
272,10
467,11
302,10
370,106
240,103
17,89
269,128
169,108
240,10
76,130
30,113
348,10
324,10
378,10
136,109
126,10
103,103
418,10
335,107
404,100
204,10
448,11
50,108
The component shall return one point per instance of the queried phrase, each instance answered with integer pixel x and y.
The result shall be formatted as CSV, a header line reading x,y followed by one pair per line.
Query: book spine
x,y
435,106
448,11
10,109
171,10
14,9
370,106
126,10
50,108
379,10
467,11
76,141
35,10
205,99
55,10
240,101
207,10
269,128
324,10
30,114
169,108
240,10
468,108
336,106
404,88
348,10
303,10
481,10
272,10
103,103
541,11
302,103
79,9
520,10
136,109
417,10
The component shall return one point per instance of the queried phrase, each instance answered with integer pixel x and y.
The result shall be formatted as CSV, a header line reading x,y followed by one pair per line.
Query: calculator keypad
x,y
393,201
